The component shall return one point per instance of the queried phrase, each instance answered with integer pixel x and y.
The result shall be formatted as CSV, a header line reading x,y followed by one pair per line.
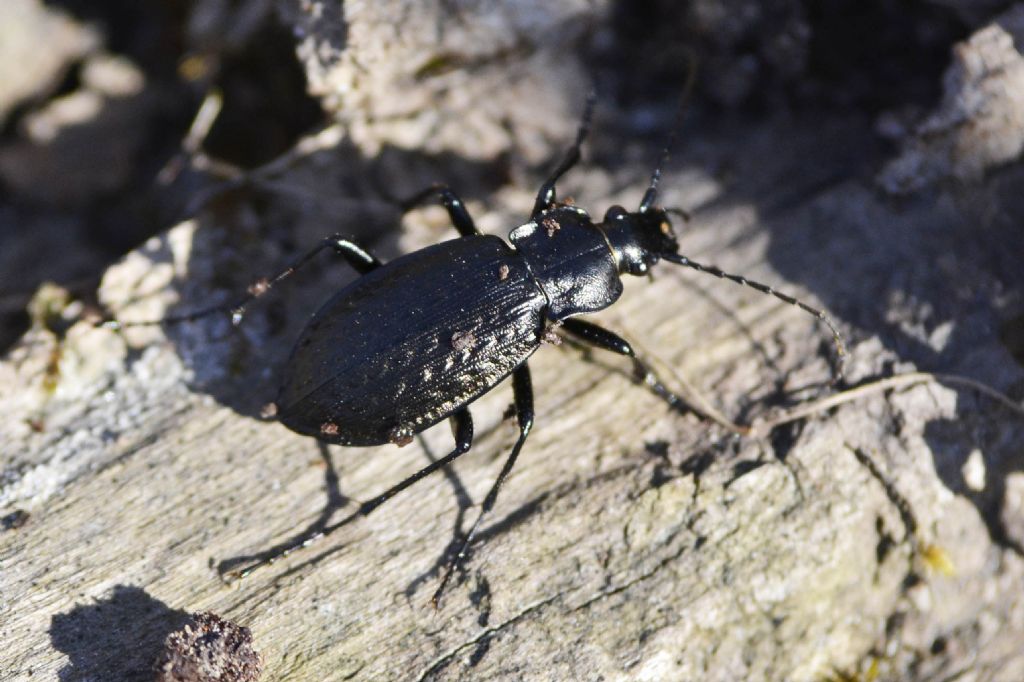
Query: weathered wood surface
x,y
630,542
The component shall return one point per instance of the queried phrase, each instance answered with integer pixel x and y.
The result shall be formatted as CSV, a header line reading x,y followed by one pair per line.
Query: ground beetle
x,y
417,340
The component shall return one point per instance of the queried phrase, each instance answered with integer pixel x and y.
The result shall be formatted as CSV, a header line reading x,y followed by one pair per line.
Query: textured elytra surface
x,y
409,343
629,542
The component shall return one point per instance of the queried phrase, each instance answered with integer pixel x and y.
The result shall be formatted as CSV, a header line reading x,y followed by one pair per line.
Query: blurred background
x,y
97,97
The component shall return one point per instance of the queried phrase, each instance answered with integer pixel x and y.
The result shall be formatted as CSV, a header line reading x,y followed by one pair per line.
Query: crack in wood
x,y
444,658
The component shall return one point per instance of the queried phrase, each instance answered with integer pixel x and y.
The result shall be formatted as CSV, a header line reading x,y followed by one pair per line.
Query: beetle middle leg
x,y
546,195
460,217
522,388
602,338
361,260
462,425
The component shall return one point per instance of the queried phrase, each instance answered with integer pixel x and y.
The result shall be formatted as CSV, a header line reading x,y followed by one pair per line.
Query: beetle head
x,y
639,239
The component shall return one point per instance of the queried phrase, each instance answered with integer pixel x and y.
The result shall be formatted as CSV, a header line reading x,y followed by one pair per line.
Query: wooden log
x,y
630,542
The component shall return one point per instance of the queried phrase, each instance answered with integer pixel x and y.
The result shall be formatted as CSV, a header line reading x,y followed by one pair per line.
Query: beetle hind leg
x,y
360,259
522,388
463,425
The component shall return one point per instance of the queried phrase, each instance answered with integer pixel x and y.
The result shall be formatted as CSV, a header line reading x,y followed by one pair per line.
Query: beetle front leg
x,y
522,388
460,217
600,337
462,423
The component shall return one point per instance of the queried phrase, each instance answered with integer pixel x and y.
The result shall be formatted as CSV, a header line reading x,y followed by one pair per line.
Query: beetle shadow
x,y
510,521
116,638
255,231
336,501
975,454
465,503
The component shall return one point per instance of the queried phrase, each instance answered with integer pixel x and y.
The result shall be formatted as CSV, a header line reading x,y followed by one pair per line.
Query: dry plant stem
x,y
761,427
191,144
232,177
208,112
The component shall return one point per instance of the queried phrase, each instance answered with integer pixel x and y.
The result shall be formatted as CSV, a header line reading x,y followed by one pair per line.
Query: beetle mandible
x,y
415,341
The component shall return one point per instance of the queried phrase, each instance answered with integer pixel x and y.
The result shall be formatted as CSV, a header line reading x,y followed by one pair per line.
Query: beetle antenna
x,y
651,195
837,339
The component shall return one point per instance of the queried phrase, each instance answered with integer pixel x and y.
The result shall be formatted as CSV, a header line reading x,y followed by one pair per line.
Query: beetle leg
x,y
522,388
460,217
546,195
361,260
602,338
463,426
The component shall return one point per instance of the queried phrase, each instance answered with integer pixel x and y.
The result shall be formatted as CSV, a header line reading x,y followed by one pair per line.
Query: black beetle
x,y
415,341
